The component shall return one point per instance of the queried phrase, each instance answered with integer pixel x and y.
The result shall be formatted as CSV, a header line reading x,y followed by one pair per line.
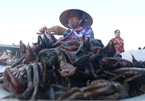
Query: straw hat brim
x,y
64,18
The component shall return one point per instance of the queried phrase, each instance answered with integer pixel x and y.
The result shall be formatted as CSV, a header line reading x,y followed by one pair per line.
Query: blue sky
x,y
21,19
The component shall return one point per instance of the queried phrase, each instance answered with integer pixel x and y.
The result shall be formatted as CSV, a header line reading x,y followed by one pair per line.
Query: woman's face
x,y
72,20
117,34
73,17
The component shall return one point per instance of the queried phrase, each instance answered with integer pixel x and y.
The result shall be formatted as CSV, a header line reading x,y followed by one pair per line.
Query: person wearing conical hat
x,y
77,22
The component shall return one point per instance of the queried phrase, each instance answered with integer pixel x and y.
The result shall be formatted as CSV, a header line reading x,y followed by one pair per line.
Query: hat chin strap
x,y
75,25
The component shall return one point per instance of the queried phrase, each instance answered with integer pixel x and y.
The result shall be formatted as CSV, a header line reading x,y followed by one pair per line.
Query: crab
x,y
97,90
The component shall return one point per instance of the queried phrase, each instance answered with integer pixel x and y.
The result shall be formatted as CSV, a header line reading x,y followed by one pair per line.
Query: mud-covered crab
x,y
86,69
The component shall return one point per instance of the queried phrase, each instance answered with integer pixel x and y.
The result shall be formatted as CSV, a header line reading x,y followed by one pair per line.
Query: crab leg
x,y
18,61
51,92
132,78
109,97
36,81
77,95
70,92
44,74
28,92
129,74
128,69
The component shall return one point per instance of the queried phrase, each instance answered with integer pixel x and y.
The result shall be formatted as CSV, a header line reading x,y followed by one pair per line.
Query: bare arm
x,y
55,30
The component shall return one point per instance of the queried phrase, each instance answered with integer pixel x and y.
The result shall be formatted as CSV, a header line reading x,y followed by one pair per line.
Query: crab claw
x,y
35,48
112,63
140,63
22,47
67,70
13,84
40,42
110,49
133,59
47,41
29,55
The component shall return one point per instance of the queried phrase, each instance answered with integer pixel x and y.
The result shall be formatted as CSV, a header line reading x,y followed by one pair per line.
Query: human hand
x,y
42,30
56,30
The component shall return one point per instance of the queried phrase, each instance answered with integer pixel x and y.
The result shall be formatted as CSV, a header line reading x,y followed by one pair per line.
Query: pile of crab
x,y
73,70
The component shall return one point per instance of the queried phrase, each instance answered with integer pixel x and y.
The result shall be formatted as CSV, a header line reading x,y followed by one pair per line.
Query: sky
x,y
22,19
